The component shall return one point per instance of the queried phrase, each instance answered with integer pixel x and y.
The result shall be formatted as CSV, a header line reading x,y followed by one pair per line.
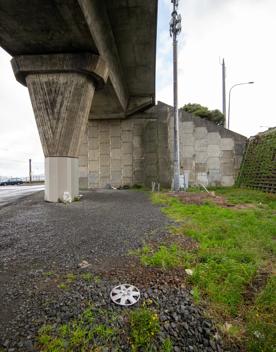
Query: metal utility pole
x,y
223,92
175,29
30,170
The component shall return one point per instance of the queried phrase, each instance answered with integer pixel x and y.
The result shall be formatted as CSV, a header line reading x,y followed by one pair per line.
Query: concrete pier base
x,y
62,175
61,88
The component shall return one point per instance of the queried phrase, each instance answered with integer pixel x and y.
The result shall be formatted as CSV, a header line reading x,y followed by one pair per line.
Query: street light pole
x,y
223,91
175,28
229,98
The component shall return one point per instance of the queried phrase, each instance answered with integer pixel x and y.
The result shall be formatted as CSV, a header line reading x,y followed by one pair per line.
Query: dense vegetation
x,y
202,111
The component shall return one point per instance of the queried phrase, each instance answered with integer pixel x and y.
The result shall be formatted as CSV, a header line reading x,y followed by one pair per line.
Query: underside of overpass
x,y
80,60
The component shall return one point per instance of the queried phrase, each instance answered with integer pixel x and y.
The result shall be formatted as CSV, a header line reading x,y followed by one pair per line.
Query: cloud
x,y
240,31
19,139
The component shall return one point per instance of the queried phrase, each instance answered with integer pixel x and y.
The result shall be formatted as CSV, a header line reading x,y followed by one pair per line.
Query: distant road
x,y
9,194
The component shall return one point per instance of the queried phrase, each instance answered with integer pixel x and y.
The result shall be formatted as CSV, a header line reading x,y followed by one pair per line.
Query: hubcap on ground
x,y
125,295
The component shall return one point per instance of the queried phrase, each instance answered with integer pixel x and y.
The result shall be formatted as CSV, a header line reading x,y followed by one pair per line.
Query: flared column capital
x,y
90,65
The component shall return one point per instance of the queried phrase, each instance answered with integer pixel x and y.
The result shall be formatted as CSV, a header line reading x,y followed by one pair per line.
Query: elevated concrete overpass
x,y
80,59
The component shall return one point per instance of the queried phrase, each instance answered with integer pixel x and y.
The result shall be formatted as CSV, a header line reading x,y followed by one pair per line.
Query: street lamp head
x,y
251,82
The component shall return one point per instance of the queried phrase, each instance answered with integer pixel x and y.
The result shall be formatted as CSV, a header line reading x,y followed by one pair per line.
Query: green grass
x,y
234,244
144,326
93,330
81,334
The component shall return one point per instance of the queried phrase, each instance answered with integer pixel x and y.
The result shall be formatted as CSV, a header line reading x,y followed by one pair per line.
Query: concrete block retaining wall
x,y
139,150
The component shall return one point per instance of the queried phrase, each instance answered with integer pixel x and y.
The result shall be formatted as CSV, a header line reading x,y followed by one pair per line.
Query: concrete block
x,y
116,153
239,148
151,147
137,164
201,145
93,132
93,178
187,139
227,169
115,165
83,149
93,143
127,147
115,131
115,142
103,126
202,177
94,154
188,152
213,163
227,181
151,171
201,167
200,133
188,126
213,150
227,155
137,141
104,171
104,160
214,177
127,159
104,136
126,136
104,149
83,171
104,181
187,163
138,176
151,158
114,124
127,171
127,181
201,157
127,125
93,166
83,182
227,144
213,138
116,177
138,153
83,160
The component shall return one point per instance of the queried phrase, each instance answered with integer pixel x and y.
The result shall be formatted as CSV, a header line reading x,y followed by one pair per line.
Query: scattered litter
x,y
124,187
227,326
67,197
125,295
189,272
204,188
84,264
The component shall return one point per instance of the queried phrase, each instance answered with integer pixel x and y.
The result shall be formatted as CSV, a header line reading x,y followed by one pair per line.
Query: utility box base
x,y
61,175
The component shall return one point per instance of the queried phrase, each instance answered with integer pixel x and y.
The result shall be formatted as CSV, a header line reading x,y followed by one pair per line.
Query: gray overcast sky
x,y
241,31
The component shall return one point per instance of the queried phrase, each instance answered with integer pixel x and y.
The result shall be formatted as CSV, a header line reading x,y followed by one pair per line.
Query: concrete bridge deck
x,y
80,59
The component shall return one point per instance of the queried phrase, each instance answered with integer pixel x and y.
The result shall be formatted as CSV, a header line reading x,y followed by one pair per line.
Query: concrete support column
x,y
61,89
61,175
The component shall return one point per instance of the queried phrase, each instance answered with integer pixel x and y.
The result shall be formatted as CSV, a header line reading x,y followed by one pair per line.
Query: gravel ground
x,y
41,242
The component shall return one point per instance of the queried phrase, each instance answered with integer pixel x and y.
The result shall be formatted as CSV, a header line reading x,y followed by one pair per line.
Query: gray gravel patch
x,y
40,243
